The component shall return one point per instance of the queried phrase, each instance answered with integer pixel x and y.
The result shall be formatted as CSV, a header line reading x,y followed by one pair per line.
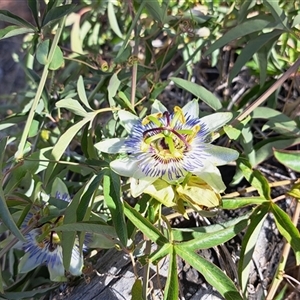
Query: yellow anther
x,y
178,115
192,135
153,118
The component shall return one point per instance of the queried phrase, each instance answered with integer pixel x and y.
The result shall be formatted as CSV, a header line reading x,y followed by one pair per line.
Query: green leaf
x,y
288,230
252,47
212,274
42,52
113,19
112,197
112,89
265,149
137,290
235,203
57,59
187,234
278,13
211,239
84,208
81,92
251,25
172,288
13,30
7,16
33,5
288,158
63,142
5,214
206,96
276,120
155,10
88,227
34,294
68,238
144,225
255,178
248,244
56,13
160,253
72,105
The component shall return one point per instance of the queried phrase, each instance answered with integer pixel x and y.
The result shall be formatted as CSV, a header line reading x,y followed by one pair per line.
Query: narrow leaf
x,y
288,230
255,178
81,92
211,239
235,203
5,214
9,17
63,142
13,30
112,197
206,96
172,287
253,46
72,105
113,19
212,274
248,244
251,25
56,13
144,225
289,158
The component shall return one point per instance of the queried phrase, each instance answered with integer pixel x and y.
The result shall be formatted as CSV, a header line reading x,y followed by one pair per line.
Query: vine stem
x,y
20,152
284,256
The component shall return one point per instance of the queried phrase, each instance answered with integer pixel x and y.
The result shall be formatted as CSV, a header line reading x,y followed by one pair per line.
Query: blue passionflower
x,y
169,146
43,246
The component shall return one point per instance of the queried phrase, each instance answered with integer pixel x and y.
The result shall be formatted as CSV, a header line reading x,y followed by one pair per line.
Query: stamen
x,y
153,118
178,116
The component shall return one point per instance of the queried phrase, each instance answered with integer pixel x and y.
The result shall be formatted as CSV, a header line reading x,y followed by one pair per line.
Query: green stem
x,y
20,153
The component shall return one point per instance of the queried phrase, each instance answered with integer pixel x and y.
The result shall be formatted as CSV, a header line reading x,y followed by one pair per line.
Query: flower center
x,y
168,139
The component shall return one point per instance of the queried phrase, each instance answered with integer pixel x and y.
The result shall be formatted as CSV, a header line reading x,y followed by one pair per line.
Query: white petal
x,y
217,120
114,145
137,186
127,166
220,156
192,109
76,263
128,119
212,176
57,272
27,264
157,107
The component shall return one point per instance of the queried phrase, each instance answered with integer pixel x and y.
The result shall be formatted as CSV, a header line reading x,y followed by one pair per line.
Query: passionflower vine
x,y
169,146
43,246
